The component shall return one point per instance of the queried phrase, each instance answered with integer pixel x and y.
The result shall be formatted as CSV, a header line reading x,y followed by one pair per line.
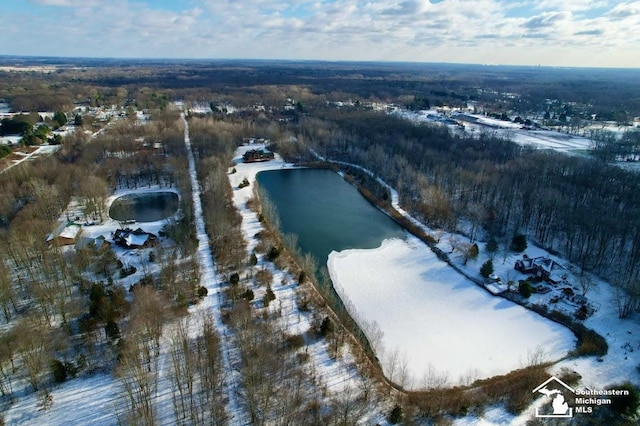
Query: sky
x,y
583,33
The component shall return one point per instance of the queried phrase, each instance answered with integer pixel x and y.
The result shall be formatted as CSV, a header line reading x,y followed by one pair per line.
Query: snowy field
x,y
423,317
542,139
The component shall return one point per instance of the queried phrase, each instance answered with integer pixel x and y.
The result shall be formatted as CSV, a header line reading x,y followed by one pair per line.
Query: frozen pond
x,y
427,322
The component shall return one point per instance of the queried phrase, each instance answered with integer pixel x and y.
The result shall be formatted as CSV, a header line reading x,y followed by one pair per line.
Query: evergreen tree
x,y
487,268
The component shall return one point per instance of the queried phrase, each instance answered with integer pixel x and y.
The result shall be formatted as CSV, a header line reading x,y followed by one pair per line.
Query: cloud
x,y
570,6
422,30
596,32
546,20
64,3
624,10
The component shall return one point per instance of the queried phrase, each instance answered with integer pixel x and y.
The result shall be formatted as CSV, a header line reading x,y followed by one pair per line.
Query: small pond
x,y
144,207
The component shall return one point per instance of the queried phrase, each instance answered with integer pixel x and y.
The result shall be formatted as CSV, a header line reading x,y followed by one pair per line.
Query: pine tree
x,y
487,268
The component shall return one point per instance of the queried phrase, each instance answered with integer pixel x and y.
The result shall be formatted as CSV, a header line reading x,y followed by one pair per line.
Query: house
x,y
134,239
65,234
99,244
541,267
255,155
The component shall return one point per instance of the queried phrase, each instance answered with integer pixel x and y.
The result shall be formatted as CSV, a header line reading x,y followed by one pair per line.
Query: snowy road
x,y
213,301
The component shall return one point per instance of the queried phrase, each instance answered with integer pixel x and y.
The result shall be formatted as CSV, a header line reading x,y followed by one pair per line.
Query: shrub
x,y
302,277
273,253
294,341
524,287
152,256
473,252
112,331
253,259
248,295
244,183
487,268
268,297
202,292
234,279
395,416
518,243
58,371
326,327
589,342
264,277
625,405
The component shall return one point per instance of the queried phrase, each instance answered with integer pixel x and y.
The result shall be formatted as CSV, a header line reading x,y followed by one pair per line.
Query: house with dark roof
x,y
134,239
541,267
256,155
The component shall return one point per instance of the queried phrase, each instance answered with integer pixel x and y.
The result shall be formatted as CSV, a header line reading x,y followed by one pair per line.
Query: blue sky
x,y
600,33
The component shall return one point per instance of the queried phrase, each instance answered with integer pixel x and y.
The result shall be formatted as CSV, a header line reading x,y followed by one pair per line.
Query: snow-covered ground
x,y
10,140
41,151
339,374
542,139
622,335
419,311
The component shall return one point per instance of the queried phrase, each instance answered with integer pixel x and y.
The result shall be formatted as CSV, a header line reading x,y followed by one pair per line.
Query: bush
x,y
518,243
473,252
253,259
625,405
589,342
268,297
234,279
112,331
248,295
524,287
487,268
395,416
326,327
273,253
202,292
244,183
58,371
302,277
294,341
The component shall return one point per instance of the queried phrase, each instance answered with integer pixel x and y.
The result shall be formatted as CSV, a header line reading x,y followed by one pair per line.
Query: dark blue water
x,y
144,207
325,212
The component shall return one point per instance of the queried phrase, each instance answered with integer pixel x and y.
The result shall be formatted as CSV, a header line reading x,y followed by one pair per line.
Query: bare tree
x,y
32,347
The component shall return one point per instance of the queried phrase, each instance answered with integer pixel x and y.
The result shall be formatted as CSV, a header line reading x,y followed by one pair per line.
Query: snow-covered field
x,y
429,318
542,139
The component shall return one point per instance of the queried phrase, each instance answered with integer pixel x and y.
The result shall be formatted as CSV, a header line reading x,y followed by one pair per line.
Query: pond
x,y
325,212
144,207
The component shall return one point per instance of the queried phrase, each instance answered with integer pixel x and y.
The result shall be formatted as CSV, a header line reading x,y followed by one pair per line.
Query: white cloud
x,y
419,30
64,3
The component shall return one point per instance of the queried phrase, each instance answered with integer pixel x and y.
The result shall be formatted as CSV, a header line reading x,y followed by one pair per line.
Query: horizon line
x,y
320,61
